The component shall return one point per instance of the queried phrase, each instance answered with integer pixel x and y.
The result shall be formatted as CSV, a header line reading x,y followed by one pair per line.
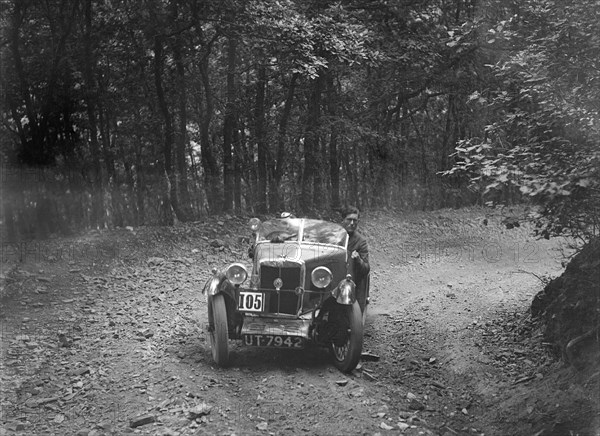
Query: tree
x,y
181,142
229,125
542,141
89,63
184,108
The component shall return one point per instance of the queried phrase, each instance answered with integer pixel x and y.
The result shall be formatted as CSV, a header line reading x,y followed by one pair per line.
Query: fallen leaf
x,y
385,426
199,410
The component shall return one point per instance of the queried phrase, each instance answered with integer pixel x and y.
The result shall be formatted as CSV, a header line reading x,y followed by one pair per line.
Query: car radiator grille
x,y
286,301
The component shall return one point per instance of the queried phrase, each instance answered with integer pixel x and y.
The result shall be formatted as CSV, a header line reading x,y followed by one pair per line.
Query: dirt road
x,y
104,334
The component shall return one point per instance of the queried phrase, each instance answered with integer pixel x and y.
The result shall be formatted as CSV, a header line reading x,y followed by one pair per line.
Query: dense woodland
x,y
137,112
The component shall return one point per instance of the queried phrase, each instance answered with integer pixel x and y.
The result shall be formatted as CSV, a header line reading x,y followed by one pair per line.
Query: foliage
x,y
306,43
183,108
541,143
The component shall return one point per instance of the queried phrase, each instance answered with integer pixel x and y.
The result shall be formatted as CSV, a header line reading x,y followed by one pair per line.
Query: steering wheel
x,y
279,237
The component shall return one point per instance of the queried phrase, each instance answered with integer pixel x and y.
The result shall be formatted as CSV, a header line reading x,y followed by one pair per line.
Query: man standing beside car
x,y
358,253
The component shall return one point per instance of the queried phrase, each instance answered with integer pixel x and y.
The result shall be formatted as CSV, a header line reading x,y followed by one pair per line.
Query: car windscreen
x,y
280,230
324,232
316,231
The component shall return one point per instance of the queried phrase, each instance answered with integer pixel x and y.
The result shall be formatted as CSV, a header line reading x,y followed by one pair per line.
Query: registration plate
x,y
277,341
251,301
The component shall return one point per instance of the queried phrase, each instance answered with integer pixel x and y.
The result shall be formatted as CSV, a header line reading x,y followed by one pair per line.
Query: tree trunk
x,y
334,166
97,217
248,167
109,160
351,193
197,200
319,197
276,200
209,163
311,139
259,119
139,184
205,107
169,200
228,127
238,156
181,141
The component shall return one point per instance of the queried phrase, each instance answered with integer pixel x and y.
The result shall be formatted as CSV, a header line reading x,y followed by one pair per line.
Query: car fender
x,y
217,284
345,292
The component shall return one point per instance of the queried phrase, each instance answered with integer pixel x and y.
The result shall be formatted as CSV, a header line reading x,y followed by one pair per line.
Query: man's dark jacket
x,y
357,242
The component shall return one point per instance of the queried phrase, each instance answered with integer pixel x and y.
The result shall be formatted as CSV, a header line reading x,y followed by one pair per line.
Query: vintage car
x,y
299,292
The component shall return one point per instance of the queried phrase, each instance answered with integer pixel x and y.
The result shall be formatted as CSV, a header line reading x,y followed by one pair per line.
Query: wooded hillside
x,y
151,111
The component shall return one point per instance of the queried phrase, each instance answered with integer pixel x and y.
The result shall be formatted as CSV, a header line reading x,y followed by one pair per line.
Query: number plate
x,y
276,341
251,301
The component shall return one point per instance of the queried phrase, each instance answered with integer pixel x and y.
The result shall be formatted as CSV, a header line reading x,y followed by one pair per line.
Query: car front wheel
x,y
218,331
346,347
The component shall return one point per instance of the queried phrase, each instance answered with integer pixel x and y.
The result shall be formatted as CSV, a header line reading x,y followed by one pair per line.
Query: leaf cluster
x,y
543,138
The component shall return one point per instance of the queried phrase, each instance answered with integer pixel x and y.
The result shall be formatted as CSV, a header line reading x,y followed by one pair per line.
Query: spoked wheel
x,y
363,298
218,331
346,347
365,305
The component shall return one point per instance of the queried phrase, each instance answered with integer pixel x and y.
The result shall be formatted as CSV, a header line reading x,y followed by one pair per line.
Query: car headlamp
x,y
321,277
236,273
254,224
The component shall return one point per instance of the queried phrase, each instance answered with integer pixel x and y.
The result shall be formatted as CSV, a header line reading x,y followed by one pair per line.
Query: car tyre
x,y
347,348
218,330
365,304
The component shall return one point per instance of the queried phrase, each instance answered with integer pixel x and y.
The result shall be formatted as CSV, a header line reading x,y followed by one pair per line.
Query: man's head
x,y
350,219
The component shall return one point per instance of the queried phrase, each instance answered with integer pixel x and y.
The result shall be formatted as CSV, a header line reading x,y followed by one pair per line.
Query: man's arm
x,y
362,257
